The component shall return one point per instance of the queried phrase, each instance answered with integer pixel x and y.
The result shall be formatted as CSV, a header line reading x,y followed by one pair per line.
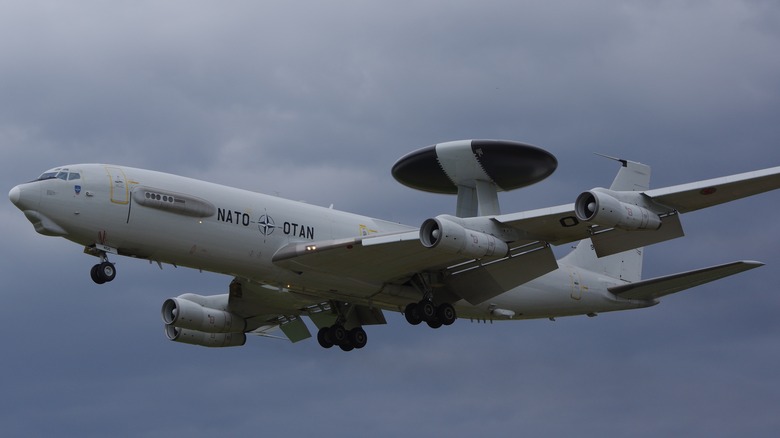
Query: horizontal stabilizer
x,y
662,286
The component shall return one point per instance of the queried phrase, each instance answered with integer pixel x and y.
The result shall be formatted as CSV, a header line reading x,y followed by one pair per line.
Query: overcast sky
x,y
315,101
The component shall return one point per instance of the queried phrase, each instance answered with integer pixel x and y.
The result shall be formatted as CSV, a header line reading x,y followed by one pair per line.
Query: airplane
x,y
290,260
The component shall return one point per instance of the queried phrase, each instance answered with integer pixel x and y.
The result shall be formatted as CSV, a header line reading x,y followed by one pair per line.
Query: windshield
x,y
62,174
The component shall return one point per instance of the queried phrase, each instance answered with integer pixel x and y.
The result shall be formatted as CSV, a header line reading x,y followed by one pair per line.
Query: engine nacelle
x,y
449,236
602,207
182,313
195,337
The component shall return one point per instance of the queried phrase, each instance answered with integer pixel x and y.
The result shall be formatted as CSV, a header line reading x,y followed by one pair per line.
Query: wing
x,y
559,225
395,258
702,194
374,261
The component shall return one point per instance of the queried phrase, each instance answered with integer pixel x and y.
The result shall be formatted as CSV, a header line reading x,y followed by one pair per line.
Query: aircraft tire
x,y
323,337
434,324
106,271
95,274
427,310
358,337
338,335
446,314
412,314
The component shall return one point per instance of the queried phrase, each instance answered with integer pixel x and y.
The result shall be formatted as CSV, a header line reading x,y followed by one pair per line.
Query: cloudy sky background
x,y
315,101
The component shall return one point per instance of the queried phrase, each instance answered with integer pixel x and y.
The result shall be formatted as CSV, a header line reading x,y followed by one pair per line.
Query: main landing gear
x,y
424,310
433,315
347,340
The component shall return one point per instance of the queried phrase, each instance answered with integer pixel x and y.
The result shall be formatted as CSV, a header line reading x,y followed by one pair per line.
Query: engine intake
x,y
442,233
603,208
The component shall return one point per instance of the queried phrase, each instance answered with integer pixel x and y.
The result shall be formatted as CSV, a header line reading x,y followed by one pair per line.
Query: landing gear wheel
x,y
358,337
338,335
346,347
323,337
427,310
434,324
103,272
412,314
107,271
95,274
446,313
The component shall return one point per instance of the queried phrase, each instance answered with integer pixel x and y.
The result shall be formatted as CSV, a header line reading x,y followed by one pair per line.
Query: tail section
x,y
627,265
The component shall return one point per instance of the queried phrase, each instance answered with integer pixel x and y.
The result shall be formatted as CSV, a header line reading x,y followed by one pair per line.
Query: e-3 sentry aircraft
x,y
291,260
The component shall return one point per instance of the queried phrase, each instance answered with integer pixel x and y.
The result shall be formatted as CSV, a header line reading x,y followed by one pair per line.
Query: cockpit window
x,y
48,175
63,174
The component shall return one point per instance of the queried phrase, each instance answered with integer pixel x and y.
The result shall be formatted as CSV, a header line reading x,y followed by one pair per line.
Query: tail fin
x,y
625,265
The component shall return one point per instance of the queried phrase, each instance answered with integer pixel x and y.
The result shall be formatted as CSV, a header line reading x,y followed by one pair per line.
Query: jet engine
x,y
442,233
195,337
192,319
609,209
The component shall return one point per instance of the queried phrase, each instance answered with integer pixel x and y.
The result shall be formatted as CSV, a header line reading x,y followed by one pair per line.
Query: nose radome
x,y
15,194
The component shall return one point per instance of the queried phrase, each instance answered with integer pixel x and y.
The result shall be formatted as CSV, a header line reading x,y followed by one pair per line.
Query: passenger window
x,y
73,176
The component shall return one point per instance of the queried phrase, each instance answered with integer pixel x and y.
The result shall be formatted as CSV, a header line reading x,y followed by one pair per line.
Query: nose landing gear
x,y
103,272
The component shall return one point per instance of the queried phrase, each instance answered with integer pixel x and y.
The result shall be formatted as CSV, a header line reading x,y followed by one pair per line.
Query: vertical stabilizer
x,y
627,265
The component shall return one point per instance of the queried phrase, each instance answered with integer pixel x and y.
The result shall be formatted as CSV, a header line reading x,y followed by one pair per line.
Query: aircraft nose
x,y
15,194
25,197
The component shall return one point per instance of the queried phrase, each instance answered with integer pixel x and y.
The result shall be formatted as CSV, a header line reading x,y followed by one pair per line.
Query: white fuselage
x,y
236,232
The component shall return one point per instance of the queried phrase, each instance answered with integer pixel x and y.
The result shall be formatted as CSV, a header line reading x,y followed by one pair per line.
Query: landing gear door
x,y
119,190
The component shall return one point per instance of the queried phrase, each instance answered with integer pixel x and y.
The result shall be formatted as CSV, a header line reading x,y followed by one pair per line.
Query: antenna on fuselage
x,y
475,171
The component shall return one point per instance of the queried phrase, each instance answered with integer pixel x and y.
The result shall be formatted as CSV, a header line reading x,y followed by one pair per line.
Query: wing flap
x,y
661,286
480,283
615,240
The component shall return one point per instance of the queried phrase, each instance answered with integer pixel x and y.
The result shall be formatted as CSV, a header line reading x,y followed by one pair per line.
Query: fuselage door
x,y
119,190
576,285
